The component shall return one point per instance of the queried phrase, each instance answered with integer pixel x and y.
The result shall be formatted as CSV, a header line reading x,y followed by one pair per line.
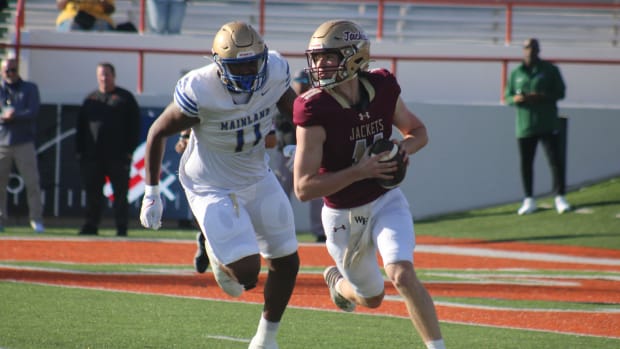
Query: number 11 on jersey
x,y
241,137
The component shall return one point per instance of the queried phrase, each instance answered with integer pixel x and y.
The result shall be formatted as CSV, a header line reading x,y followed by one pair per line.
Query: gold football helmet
x,y
348,41
241,57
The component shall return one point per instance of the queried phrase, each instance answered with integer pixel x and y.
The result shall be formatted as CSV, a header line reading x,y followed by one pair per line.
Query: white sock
x,y
436,344
337,286
267,331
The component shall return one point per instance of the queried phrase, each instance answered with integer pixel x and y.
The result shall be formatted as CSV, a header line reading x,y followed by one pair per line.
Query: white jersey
x,y
227,149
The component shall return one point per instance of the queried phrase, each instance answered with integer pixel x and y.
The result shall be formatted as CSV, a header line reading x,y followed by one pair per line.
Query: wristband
x,y
151,189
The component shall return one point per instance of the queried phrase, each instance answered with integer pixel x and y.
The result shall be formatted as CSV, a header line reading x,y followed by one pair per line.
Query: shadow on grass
x,y
509,211
467,215
595,204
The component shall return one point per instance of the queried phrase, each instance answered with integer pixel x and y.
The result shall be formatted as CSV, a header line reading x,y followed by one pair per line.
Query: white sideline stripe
x,y
231,339
438,249
137,272
537,256
535,310
526,329
98,238
499,273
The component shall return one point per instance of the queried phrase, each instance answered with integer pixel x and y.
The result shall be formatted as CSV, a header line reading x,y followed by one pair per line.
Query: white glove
x,y
289,153
152,208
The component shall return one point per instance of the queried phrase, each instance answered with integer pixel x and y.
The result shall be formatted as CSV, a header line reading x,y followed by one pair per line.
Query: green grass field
x,y
38,316
594,222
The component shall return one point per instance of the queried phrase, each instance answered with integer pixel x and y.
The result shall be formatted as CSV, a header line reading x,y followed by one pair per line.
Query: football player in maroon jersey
x,y
349,108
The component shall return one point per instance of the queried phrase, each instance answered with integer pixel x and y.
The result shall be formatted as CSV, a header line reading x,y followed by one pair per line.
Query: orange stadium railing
x,y
504,61
507,5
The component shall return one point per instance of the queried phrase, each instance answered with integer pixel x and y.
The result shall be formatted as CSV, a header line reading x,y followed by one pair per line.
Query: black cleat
x,y
201,260
88,230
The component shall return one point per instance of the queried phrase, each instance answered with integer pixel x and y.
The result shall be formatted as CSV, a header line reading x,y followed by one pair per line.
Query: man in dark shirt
x,y
108,131
534,88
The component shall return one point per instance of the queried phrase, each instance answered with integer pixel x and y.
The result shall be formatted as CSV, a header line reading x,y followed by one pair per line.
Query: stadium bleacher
x,y
403,22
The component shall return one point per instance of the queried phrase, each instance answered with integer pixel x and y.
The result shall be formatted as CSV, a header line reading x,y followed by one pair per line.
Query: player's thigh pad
x,y
272,217
364,275
227,225
393,230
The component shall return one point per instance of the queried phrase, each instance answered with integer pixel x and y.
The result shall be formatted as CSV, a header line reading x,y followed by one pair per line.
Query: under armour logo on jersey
x,y
340,227
361,219
366,115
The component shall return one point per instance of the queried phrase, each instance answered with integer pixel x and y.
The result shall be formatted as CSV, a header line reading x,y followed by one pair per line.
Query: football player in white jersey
x,y
239,205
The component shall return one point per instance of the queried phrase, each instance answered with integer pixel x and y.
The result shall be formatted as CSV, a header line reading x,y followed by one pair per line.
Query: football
x,y
384,145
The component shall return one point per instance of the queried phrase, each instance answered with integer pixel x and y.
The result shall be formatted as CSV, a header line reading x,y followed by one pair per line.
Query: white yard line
x,y
436,249
229,339
530,256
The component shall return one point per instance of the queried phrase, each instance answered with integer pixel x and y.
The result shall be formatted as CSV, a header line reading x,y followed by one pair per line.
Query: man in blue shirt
x,y
20,106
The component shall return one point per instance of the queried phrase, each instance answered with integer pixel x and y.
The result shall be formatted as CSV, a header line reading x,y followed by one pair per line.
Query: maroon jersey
x,y
350,130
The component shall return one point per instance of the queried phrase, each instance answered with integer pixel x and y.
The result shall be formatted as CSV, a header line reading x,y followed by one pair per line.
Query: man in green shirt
x,y
534,88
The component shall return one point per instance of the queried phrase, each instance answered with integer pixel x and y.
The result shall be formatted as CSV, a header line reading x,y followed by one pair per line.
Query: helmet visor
x,y
243,74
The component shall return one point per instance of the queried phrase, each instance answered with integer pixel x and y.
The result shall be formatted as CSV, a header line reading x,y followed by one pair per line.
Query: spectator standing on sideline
x,y
20,108
166,16
236,199
534,88
336,123
108,131
94,15
285,134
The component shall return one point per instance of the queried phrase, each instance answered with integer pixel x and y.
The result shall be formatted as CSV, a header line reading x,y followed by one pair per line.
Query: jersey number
x,y
361,146
241,137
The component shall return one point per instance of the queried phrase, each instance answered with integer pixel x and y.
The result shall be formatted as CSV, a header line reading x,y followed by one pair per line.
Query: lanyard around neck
x,y
9,94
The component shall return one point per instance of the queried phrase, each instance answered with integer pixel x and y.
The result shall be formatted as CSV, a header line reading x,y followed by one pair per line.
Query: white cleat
x,y
255,345
561,205
529,206
229,285
331,276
